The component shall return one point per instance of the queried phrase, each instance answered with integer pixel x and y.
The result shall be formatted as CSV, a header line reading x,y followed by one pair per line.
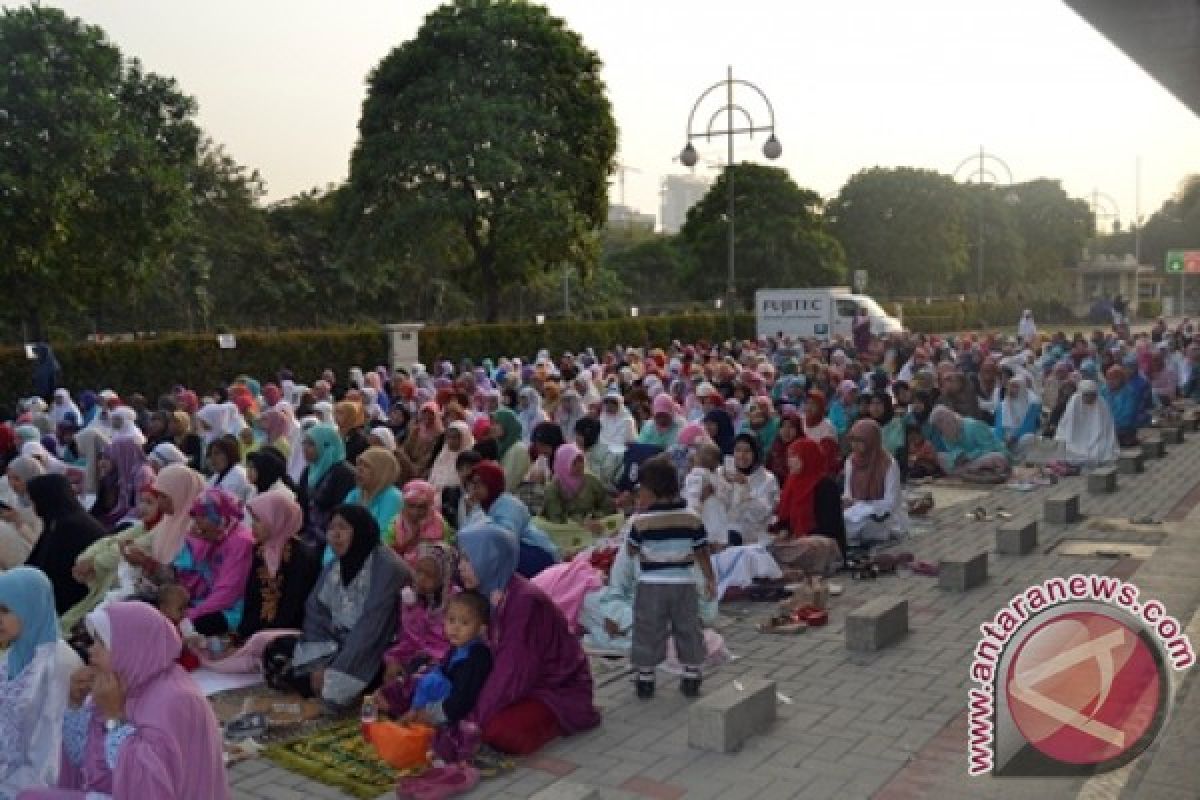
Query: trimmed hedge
x,y
950,315
154,366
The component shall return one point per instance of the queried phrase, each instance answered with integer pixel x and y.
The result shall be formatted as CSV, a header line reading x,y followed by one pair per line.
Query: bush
x,y
1149,309
942,316
155,366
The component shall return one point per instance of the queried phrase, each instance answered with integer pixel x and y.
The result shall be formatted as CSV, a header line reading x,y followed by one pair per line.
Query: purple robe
x,y
535,656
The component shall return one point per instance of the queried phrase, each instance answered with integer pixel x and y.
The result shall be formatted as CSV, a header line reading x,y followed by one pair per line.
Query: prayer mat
x,y
339,756
287,715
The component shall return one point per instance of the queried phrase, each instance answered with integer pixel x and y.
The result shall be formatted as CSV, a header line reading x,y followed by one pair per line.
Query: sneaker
x,y
690,687
645,689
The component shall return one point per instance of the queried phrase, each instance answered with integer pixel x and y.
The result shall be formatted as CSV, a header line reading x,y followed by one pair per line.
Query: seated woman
x,y
602,461
443,474
748,492
1124,403
1018,417
486,486
762,421
809,521
20,526
967,448
844,409
114,567
124,471
350,420
419,523
349,618
284,568
145,729
664,424
375,473
874,505
266,469
421,443
214,563
881,410
325,482
541,686
577,506
718,425
791,427
226,470
67,530
1086,432
818,428
506,431
34,681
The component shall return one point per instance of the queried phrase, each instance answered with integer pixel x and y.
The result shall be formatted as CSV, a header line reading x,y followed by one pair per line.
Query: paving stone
x,y
878,624
1171,434
961,574
1153,446
725,719
568,790
1016,538
1130,462
1102,480
1062,509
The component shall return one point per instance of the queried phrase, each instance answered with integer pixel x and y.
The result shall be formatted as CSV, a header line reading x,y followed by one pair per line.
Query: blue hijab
x,y
493,552
27,592
330,450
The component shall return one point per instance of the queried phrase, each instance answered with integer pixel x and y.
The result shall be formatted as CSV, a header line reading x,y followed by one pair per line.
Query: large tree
x,y
779,236
491,127
905,226
95,157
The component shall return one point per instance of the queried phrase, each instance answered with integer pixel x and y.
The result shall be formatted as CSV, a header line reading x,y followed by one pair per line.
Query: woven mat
x,y
338,756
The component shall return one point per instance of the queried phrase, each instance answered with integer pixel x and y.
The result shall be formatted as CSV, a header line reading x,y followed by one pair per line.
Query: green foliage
x,y
949,315
780,236
654,270
906,227
94,166
488,137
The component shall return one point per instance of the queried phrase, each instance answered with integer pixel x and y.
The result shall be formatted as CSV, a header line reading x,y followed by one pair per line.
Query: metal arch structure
x,y
985,171
771,149
1105,206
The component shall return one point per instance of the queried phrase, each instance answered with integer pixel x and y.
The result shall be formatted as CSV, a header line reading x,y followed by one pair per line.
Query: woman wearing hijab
x,y
189,443
506,429
570,411
529,412
762,421
1026,328
67,530
601,462
967,447
266,471
34,681
145,730
748,492
844,410
350,420
20,526
486,487
214,563
375,474
1018,417
422,443
62,407
128,472
324,483
277,430
663,427
791,428
810,504
617,426
226,470
1124,404
443,474
1086,431
419,523
881,410
577,506
874,504
349,618
284,568
540,686
958,393
719,427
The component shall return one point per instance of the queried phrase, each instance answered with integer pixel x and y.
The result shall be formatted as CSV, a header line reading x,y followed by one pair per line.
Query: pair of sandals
x,y
439,783
888,564
251,725
797,621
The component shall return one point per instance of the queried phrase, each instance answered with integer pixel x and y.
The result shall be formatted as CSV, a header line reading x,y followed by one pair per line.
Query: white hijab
x,y
1015,408
1086,430
63,405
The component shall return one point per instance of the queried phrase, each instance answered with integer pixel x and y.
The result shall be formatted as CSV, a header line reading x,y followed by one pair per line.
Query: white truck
x,y
817,313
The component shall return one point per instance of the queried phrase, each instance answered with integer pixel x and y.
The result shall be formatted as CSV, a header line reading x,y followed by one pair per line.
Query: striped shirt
x,y
665,538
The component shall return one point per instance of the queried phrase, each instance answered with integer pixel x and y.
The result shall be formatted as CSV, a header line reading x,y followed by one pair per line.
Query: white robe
x,y
32,706
1087,432
860,527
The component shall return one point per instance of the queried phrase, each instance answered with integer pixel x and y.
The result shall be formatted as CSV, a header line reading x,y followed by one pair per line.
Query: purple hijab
x,y
534,655
129,471
176,751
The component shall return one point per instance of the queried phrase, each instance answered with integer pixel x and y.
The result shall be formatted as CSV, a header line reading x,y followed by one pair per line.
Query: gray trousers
x,y
661,610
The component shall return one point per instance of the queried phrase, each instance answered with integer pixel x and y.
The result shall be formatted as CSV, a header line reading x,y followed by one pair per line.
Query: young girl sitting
x,y
421,638
918,458
445,695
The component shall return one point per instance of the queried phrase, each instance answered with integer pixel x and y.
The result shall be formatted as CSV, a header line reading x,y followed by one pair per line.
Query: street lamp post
x,y
984,171
771,149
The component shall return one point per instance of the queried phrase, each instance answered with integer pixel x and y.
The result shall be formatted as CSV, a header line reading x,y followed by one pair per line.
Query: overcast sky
x,y
855,83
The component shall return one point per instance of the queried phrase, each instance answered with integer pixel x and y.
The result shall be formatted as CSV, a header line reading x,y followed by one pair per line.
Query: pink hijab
x,y
282,517
564,457
177,750
182,485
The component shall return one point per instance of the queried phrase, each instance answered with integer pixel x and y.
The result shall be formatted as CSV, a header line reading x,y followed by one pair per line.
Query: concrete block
x,y
961,574
1062,509
1191,420
879,623
1016,538
1171,434
568,790
1130,462
1102,480
1153,446
725,719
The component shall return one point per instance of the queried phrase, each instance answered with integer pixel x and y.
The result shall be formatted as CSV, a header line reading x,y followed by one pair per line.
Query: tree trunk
x,y
491,292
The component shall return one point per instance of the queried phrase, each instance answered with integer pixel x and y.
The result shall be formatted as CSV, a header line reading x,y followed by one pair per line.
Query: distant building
x,y
679,193
620,216
1100,276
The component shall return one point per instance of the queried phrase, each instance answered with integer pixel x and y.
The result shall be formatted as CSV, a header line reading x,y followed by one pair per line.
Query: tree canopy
x,y
780,236
490,129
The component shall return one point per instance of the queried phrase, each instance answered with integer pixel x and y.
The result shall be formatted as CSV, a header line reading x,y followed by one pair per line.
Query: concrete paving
x,y
889,724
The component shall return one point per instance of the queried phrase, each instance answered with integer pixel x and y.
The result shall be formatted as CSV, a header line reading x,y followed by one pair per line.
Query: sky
x,y
854,84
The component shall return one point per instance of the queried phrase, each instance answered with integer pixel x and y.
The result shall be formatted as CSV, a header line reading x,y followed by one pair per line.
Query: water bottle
x,y
369,713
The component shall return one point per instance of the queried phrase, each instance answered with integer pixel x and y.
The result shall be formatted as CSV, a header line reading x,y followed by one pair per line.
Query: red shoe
x,y
813,617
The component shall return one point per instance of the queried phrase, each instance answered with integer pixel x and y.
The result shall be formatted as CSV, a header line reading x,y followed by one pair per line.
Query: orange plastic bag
x,y
401,746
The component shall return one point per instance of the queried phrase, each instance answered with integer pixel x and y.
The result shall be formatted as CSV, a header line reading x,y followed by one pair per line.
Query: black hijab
x,y
363,543
755,447
67,531
589,429
269,467
889,408
725,434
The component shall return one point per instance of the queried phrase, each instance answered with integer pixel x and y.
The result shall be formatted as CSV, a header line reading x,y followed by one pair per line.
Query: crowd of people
x,y
449,542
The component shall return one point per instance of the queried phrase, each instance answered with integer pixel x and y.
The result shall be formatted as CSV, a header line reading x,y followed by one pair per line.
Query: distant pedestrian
x,y
1026,328
47,374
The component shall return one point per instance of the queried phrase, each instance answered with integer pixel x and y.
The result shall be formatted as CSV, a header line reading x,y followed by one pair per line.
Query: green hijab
x,y
508,422
330,450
